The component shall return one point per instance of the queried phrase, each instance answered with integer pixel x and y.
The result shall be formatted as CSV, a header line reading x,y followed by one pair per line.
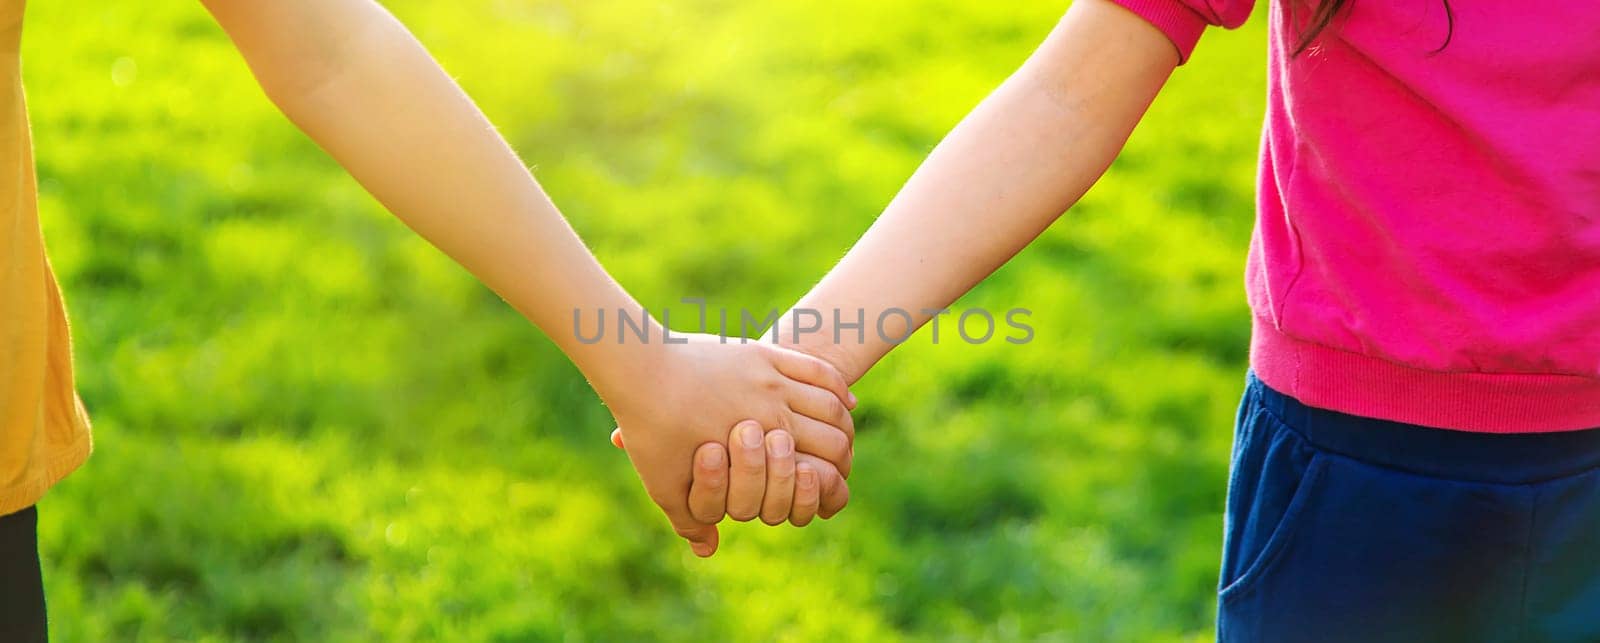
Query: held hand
x,y
830,484
759,478
685,395
712,494
835,494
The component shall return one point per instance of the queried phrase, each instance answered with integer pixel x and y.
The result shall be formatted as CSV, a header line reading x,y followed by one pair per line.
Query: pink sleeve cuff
x,y
1181,24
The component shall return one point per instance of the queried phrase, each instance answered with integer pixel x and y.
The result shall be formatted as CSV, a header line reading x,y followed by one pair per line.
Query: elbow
x,y
295,53
300,88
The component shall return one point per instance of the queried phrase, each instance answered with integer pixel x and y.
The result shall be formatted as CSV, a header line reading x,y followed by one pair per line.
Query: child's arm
x,y
351,76
1003,175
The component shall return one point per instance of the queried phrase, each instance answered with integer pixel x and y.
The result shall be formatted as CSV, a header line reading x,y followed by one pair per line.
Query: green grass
x,y
311,425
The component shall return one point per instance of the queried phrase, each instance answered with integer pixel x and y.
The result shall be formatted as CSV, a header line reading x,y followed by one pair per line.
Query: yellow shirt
x,y
44,431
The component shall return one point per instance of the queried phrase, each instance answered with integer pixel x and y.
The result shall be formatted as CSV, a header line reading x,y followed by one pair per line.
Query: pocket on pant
x,y
1273,474
1370,554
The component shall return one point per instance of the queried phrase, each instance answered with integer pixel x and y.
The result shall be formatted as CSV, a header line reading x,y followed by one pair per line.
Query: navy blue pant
x,y
1343,528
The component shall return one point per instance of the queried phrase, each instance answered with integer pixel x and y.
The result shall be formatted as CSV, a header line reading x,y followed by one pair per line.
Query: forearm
x,y
351,76
1002,176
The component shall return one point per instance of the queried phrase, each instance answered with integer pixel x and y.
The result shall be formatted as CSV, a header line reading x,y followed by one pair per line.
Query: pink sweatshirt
x,y
1427,241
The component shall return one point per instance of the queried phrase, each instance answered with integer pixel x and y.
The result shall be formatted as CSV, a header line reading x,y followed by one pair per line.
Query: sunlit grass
x,y
310,425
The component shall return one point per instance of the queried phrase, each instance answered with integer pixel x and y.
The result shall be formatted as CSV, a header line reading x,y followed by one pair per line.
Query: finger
x,y
779,497
834,497
833,490
821,440
702,537
820,405
748,477
806,369
708,492
616,438
806,495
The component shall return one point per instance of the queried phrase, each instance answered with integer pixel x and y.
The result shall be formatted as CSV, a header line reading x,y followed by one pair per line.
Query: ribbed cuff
x,y
1357,384
1175,19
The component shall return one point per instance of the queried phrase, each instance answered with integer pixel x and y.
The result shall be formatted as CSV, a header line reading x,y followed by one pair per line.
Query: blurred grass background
x,y
310,425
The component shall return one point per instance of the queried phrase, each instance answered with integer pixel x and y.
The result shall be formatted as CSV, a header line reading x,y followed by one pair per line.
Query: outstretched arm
x,y
1003,175
350,75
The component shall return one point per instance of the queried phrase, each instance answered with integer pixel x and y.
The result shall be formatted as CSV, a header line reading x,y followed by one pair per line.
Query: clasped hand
x,y
785,458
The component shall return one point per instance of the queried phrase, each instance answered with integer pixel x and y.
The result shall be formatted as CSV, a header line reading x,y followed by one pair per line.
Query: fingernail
x,y
701,549
852,398
781,445
750,435
711,458
808,478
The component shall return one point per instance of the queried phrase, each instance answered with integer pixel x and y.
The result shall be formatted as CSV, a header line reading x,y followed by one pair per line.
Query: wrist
x,y
821,345
619,360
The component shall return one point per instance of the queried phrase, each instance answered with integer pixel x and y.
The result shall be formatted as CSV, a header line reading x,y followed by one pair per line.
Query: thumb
x,y
616,438
702,537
